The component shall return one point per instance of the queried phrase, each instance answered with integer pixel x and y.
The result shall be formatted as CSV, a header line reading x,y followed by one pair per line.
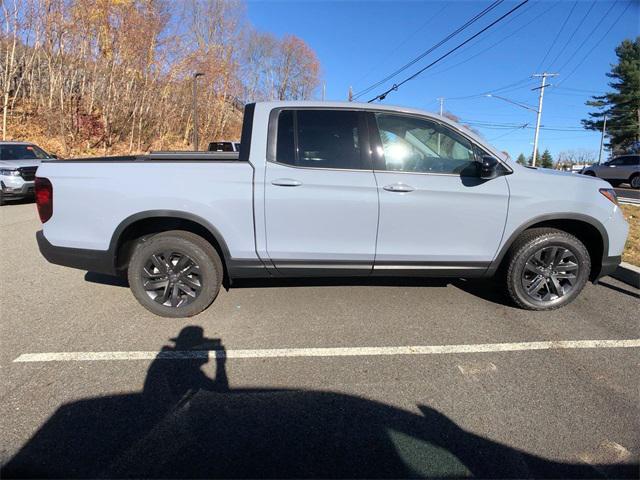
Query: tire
x,y
590,173
634,181
184,268
615,183
540,266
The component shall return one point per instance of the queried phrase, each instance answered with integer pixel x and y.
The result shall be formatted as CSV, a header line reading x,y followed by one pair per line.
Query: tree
x,y
546,161
621,106
522,160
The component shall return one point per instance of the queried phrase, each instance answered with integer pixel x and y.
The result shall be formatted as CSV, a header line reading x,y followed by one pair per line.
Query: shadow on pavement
x,y
487,288
184,424
631,291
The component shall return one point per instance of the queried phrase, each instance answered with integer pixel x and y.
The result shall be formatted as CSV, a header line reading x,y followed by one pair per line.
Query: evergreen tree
x,y
522,160
546,161
621,106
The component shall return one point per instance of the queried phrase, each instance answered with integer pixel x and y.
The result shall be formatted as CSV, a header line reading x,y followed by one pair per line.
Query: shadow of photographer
x,y
185,424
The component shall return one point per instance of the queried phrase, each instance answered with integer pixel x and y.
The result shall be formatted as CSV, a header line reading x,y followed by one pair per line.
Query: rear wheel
x,y
546,269
635,181
590,173
175,274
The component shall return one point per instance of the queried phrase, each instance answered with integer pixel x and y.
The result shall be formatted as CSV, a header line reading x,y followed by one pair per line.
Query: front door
x,y
436,214
321,201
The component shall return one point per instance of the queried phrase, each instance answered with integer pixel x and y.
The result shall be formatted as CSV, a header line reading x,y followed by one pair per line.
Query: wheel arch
x,y
587,229
156,221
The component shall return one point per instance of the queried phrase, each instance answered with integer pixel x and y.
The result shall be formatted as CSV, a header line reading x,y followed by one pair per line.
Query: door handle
x,y
399,188
286,182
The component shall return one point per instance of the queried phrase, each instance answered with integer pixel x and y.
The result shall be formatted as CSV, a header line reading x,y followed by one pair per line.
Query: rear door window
x,y
320,139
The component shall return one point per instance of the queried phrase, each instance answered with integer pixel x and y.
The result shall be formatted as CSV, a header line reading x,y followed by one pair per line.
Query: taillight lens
x,y
610,193
44,198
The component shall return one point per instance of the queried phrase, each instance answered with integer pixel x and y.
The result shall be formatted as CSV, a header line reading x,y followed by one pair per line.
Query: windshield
x,y
22,152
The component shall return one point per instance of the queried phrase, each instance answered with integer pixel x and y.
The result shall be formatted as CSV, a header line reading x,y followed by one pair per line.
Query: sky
x,y
360,43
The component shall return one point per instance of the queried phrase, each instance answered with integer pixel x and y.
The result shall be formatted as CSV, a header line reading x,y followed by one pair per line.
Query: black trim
x,y
247,130
115,238
160,157
545,218
249,268
100,261
609,265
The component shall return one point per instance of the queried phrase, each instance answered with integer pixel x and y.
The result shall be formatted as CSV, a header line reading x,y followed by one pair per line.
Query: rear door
x,y
436,214
321,200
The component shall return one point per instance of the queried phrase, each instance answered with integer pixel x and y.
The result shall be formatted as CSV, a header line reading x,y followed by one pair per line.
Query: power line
x,y
521,127
596,44
431,49
580,23
557,35
593,30
397,47
503,39
442,57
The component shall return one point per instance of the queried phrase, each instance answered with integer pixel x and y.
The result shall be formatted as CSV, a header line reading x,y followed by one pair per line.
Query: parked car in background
x,y
18,164
224,146
621,169
330,189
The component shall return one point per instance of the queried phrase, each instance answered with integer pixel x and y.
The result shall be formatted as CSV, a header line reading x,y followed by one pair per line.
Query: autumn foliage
x,y
116,76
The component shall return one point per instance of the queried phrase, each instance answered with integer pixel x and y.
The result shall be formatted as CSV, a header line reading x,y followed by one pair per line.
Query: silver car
x,y
18,164
621,169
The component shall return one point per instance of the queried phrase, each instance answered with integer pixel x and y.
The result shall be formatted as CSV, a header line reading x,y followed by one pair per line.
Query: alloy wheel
x,y
550,273
172,279
635,181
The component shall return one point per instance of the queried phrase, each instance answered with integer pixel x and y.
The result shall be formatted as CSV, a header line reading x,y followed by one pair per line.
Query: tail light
x,y
44,198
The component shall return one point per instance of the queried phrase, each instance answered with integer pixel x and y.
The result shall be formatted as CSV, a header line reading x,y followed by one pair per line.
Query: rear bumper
x,y
609,265
101,261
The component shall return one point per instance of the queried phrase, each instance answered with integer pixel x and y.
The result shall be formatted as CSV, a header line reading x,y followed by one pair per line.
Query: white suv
x,y
18,164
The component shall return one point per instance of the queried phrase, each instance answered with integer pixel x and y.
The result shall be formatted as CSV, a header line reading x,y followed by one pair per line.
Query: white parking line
x,y
326,352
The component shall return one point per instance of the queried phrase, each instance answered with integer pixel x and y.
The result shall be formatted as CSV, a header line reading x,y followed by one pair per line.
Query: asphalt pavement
x,y
359,379
628,194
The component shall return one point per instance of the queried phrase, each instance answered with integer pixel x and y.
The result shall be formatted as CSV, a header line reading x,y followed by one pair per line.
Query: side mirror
x,y
489,167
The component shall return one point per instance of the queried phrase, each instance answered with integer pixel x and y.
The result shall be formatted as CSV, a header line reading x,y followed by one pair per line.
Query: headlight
x,y
9,173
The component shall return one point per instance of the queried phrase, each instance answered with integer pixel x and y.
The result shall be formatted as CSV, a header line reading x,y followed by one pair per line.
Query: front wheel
x,y
546,269
635,181
175,274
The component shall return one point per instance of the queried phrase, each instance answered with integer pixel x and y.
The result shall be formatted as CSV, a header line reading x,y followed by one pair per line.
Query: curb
x,y
627,273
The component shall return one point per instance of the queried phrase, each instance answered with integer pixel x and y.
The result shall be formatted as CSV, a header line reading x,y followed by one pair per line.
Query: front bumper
x,y
100,261
16,189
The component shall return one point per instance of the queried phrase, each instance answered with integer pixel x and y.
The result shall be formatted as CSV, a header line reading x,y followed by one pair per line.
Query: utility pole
x,y
542,86
324,90
604,129
195,110
441,100
350,94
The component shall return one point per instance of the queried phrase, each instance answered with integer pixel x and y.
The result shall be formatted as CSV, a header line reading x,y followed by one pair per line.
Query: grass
x,y
631,252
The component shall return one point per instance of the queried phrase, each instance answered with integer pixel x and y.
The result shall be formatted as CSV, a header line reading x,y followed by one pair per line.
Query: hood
x,y
19,163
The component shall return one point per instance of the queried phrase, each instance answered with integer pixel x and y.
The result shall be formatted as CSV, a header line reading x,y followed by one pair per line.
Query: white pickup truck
x,y
329,189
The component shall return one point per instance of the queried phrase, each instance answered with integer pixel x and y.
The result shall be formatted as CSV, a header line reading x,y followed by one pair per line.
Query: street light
x,y
195,110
